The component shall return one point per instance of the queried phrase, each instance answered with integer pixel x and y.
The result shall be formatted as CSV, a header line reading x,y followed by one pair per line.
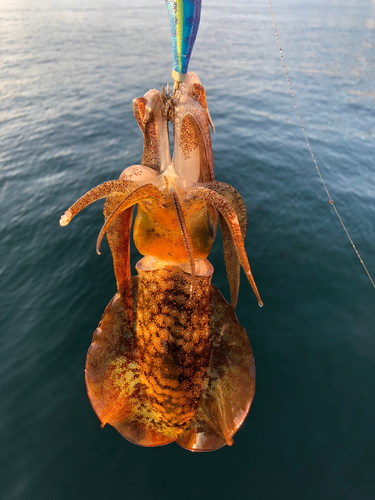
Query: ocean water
x,y
69,71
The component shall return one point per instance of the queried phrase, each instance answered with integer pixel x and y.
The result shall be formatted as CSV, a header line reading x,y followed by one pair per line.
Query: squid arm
x,y
186,238
150,115
204,141
232,262
146,192
199,94
227,211
118,236
109,188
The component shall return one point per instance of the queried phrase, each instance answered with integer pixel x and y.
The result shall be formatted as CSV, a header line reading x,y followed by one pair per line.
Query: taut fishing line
x,y
312,155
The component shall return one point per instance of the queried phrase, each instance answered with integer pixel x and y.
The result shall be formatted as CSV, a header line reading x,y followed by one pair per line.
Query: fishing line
x,y
312,155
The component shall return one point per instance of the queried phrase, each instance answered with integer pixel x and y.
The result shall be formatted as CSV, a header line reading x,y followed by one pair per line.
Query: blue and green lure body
x,y
184,17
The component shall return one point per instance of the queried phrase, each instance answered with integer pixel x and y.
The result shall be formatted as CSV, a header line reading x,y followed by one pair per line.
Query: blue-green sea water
x,y
69,71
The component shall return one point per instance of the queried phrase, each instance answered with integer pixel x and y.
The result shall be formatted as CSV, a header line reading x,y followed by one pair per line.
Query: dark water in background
x,y
69,71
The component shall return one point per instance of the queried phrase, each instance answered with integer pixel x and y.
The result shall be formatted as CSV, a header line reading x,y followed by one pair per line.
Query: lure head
x,y
184,17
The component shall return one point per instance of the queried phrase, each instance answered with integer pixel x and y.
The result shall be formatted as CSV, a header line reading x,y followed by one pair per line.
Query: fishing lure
x,y
169,360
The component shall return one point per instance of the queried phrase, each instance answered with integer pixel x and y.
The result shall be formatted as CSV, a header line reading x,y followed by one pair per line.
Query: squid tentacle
x,y
232,262
198,93
229,214
187,239
118,236
207,166
108,188
234,198
140,194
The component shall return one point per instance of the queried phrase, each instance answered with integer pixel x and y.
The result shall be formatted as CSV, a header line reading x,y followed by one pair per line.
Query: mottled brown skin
x,y
179,370
173,341
189,136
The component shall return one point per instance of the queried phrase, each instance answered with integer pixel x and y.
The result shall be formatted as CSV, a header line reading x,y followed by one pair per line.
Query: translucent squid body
x,y
169,360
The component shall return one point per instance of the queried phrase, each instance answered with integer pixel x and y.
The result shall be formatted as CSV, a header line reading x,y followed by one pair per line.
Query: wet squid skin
x,y
169,360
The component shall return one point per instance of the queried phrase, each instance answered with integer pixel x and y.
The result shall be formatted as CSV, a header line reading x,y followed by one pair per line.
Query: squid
x,y
169,361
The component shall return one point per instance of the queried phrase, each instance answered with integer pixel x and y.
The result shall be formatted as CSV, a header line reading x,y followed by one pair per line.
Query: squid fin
x,y
113,380
230,385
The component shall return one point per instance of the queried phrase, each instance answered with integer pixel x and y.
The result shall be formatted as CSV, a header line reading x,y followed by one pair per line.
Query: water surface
x,y
69,71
